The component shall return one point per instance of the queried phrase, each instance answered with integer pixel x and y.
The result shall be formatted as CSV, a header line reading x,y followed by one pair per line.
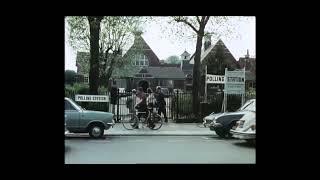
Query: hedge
x,y
71,91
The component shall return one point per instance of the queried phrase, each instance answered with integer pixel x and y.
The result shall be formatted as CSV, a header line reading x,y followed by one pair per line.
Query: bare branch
x,y
198,19
179,19
206,20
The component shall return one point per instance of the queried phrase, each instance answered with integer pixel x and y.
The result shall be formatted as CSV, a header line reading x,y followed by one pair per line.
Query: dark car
x,y
222,123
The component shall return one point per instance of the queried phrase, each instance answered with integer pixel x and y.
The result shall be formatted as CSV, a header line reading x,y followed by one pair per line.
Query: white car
x,y
209,119
245,128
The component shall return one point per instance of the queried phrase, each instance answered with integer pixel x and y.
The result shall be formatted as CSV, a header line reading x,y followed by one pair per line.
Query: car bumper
x,y
243,135
215,126
207,122
112,123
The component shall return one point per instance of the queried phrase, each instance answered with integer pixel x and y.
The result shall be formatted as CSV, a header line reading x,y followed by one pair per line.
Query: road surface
x,y
158,149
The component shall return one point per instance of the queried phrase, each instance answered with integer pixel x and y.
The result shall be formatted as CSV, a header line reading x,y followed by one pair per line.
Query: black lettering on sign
x,y
87,98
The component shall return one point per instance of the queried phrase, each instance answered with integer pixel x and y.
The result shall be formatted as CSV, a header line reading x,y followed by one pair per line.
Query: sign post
x,y
205,86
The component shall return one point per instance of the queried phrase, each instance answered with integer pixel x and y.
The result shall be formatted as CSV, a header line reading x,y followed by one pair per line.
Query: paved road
x,y
157,149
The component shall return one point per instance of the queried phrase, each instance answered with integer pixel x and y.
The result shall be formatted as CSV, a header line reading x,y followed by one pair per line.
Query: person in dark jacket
x,y
161,103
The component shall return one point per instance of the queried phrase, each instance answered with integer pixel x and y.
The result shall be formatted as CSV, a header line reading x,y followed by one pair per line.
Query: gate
x,y
126,102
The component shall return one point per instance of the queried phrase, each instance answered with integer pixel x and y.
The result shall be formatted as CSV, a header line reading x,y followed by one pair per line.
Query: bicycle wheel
x,y
129,122
156,122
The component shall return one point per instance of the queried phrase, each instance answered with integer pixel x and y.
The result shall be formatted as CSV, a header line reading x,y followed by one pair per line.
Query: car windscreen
x,y
75,104
250,107
68,106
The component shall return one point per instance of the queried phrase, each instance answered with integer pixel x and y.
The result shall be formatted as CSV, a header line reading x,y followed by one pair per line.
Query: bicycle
x,y
153,120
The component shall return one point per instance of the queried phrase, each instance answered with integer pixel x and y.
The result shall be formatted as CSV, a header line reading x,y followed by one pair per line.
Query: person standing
x,y
141,105
161,103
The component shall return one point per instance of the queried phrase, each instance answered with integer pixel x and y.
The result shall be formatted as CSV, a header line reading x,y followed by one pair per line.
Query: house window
x,y
86,79
141,60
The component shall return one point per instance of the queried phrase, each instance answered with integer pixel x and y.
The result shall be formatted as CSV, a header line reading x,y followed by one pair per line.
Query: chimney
x,y
247,56
207,41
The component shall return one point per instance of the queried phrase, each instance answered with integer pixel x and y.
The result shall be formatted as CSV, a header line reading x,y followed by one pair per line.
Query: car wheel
x,y
230,127
251,141
220,133
96,131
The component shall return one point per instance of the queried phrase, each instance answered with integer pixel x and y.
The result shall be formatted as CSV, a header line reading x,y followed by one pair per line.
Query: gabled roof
x,y
185,53
154,71
212,49
125,71
140,44
166,72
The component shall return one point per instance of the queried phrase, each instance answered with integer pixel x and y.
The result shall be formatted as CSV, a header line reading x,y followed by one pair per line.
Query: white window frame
x,y
141,60
86,79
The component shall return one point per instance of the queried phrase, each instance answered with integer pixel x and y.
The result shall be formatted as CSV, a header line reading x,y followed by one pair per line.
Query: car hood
x,y
212,116
97,114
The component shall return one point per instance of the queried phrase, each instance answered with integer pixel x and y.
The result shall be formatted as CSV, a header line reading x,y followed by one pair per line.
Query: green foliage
x,y
71,91
251,93
69,76
184,104
173,60
115,35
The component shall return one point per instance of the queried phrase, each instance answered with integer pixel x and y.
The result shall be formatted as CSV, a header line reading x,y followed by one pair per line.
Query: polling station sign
x,y
91,98
215,79
234,82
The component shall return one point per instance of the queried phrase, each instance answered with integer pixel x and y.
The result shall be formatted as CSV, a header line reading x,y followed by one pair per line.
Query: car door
x,y
71,115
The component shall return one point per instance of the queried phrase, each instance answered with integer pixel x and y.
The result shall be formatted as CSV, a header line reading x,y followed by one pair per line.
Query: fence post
x,y
177,111
118,93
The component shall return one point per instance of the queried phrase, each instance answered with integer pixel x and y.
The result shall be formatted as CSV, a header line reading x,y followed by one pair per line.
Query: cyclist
x,y
141,105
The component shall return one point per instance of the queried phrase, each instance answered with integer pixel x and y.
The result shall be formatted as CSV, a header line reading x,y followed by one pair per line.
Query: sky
x,y
164,44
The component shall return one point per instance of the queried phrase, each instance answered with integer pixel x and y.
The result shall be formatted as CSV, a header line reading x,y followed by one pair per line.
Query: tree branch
x,y
198,19
186,22
206,20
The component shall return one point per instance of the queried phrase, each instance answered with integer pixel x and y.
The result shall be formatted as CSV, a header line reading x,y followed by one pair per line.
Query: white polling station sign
x,y
91,98
215,79
234,82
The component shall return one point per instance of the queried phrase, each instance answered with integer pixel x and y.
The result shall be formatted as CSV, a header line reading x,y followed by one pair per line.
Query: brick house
x,y
145,69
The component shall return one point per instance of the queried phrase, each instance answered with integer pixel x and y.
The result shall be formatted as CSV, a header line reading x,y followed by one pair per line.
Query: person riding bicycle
x,y
141,105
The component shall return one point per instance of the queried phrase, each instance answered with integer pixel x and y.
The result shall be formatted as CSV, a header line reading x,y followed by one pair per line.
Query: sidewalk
x,y
170,129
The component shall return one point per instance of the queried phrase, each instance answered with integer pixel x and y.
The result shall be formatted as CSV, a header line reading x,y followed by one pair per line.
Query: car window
x,y
68,106
245,105
250,107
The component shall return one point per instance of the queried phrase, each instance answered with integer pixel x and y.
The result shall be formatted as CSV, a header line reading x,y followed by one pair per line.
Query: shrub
x,y
184,104
71,91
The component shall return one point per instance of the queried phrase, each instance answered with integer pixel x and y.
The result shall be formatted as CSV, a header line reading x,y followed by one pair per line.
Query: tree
x,y
69,76
105,37
94,25
198,25
173,60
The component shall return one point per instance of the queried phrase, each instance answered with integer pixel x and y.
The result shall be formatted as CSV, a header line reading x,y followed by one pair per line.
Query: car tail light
x,y
253,127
